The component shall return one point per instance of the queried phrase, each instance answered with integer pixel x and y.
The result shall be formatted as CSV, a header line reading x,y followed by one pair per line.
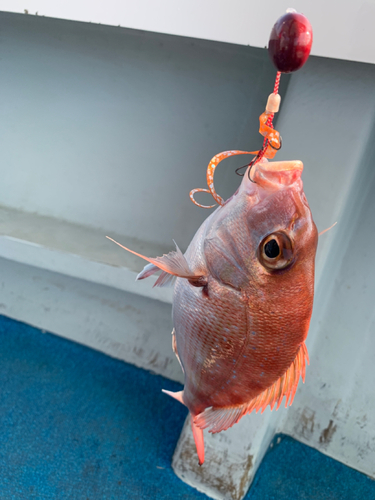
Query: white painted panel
x,y
334,411
112,128
342,29
123,325
77,251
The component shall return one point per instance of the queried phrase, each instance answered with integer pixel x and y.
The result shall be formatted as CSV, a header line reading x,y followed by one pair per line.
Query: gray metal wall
x,y
327,121
111,127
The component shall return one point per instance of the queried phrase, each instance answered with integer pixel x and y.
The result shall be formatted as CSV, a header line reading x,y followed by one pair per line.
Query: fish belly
x,y
227,359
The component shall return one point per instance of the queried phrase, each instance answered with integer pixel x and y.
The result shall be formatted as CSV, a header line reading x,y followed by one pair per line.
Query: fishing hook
x,y
240,168
252,163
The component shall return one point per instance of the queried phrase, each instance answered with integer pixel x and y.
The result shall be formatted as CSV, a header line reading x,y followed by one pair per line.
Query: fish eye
x,y
272,249
276,251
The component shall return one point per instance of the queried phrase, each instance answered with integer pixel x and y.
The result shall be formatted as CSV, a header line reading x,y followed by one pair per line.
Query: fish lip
x,y
275,174
280,166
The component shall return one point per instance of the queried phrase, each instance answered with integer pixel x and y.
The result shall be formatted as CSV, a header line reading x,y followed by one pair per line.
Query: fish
x,y
243,299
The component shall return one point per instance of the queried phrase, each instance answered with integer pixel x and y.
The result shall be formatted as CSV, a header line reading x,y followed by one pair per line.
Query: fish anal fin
x,y
220,419
179,396
173,263
198,440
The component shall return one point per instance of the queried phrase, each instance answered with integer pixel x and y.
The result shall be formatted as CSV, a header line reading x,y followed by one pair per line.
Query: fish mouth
x,y
277,173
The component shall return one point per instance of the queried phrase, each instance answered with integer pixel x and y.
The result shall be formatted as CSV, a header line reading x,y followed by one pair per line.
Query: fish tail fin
x,y
173,263
197,432
199,440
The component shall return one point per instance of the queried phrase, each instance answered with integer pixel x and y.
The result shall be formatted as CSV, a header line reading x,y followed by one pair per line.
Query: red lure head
x,y
290,42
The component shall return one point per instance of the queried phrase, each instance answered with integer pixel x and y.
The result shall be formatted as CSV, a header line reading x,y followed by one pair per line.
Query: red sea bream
x,y
243,299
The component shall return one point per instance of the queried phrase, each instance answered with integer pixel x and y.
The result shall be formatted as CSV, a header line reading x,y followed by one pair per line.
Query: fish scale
x,y
199,338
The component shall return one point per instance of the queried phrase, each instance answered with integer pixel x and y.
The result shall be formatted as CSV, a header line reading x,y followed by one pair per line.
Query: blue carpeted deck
x,y
291,470
76,424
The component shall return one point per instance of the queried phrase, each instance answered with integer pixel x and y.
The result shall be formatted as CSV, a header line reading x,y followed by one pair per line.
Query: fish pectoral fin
x,y
173,263
199,441
220,419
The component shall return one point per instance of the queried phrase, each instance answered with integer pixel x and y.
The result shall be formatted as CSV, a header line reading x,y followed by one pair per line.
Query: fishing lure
x,y
244,288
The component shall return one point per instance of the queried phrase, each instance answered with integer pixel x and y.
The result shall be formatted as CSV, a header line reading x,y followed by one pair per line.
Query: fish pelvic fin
x,y
174,347
174,263
179,396
147,271
220,419
198,440
163,280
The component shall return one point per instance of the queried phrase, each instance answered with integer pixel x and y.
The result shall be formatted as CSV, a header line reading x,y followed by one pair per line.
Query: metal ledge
x,y
77,251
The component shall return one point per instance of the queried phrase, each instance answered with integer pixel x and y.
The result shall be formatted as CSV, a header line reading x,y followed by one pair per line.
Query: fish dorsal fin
x,y
173,263
220,419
